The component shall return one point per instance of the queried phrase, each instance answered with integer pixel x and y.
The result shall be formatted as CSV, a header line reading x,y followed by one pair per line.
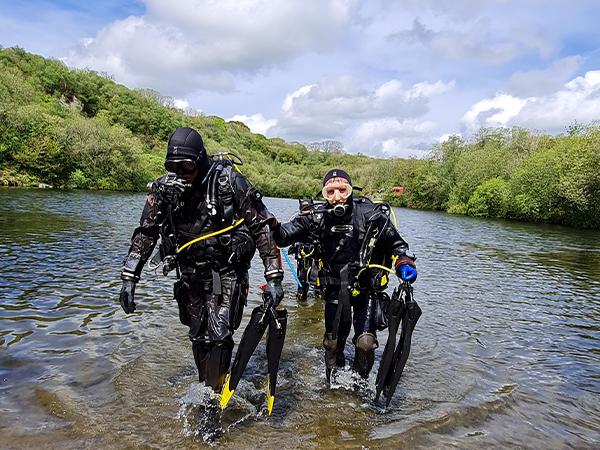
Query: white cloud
x,y
382,120
392,98
544,81
289,99
578,100
256,122
457,9
482,41
392,137
445,137
181,103
493,112
183,45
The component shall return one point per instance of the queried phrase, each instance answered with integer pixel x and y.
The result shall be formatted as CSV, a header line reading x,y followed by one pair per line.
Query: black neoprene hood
x,y
186,143
335,173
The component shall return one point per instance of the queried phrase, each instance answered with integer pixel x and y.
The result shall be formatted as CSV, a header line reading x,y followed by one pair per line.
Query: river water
x,y
506,354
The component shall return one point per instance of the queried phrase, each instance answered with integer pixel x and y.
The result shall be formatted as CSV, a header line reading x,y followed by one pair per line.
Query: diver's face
x,y
189,177
337,191
185,169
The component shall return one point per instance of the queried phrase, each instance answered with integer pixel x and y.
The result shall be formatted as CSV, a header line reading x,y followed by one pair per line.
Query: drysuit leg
x,y
334,341
365,339
302,272
215,311
212,360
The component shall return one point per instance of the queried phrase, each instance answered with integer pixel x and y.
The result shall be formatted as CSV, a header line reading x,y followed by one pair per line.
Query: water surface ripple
x,y
506,354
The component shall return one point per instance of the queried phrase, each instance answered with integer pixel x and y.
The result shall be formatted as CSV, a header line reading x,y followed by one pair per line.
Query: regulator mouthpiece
x,y
340,210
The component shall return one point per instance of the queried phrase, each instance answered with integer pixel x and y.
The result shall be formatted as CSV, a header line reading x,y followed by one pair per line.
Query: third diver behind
x,y
308,266
355,240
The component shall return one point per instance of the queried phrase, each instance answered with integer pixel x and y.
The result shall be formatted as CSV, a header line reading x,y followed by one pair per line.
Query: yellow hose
x,y
374,266
209,235
377,266
394,217
304,255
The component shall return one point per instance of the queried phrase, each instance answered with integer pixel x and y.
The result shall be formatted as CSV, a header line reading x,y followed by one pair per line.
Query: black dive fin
x,y
396,310
275,339
252,335
409,321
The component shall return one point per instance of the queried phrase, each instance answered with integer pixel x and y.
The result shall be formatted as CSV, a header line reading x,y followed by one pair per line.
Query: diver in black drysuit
x,y
341,230
200,196
307,267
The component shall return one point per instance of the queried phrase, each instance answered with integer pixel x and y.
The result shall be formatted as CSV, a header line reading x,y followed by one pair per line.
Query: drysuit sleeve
x,y
297,230
143,240
260,222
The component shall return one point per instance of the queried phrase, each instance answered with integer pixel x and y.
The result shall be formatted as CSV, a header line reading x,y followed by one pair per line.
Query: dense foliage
x,y
79,129
515,174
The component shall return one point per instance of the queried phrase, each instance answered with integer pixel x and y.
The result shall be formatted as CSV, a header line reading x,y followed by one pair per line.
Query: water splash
x,y
348,379
202,417
200,413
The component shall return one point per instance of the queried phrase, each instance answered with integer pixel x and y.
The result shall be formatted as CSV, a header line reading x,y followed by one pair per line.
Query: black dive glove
x,y
276,290
126,297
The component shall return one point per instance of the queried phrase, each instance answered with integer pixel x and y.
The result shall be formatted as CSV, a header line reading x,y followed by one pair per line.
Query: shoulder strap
x,y
223,191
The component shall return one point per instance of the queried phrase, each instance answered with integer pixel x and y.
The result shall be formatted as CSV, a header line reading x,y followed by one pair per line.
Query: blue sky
x,y
386,78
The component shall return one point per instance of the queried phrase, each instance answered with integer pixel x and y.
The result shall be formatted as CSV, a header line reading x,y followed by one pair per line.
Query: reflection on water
x,y
505,354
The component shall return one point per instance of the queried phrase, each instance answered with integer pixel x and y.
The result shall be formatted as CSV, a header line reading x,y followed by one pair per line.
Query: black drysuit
x,y
338,242
212,290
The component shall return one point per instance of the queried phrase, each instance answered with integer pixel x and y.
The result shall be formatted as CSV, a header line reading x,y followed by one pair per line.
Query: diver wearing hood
x,y
210,220
351,236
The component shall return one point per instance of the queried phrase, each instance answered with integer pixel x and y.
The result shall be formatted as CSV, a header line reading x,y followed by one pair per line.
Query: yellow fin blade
x,y
226,394
270,398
